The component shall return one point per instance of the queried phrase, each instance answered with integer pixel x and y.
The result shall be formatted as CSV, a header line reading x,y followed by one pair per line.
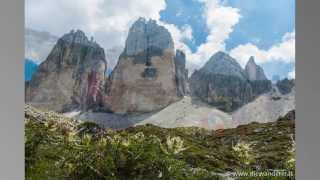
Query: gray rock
x,y
223,64
285,86
253,71
258,80
147,35
260,87
222,82
71,77
181,73
264,109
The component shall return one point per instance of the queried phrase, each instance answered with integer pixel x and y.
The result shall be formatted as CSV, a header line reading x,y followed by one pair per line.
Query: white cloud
x,y
109,21
106,20
220,21
292,74
187,32
283,51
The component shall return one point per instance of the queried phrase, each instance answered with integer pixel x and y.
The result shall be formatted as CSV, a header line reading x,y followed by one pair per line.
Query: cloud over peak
x,y
283,51
108,21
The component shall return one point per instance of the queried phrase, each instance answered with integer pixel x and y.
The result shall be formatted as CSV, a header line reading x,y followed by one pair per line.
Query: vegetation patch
x,y
57,147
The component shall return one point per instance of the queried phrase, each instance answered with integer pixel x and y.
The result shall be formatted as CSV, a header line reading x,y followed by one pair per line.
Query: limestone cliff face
x,y
258,80
253,71
144,79
181,73
71,77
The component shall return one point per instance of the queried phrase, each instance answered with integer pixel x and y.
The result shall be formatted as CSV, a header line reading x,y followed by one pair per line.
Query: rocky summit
x,y
258,80
223,83
144,78
254,71
71,77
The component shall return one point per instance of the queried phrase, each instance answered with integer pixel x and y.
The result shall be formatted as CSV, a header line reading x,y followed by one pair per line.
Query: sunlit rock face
x,y
71,77
144,79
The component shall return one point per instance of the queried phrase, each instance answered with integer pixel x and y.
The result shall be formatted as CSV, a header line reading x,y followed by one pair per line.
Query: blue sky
x,y
262,23
242,28
182,12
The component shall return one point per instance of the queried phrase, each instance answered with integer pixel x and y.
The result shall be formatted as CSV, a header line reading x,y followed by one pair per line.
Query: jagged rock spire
x,y
254,71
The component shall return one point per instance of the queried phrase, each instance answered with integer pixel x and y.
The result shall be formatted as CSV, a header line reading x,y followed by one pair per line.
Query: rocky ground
x,y
189,112
266,108
184,113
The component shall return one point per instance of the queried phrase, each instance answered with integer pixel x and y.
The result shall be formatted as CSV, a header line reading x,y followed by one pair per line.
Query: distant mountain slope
x,y
30,67
285,86
223,83
266,108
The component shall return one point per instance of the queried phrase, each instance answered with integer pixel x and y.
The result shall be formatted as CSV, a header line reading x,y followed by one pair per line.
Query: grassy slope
x,y
63,148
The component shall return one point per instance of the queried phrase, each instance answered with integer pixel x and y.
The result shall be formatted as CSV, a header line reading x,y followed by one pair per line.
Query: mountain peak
x,y
79,37
81,63
254,71
223,64
147,36
251,60
148,75
141,19
221,53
